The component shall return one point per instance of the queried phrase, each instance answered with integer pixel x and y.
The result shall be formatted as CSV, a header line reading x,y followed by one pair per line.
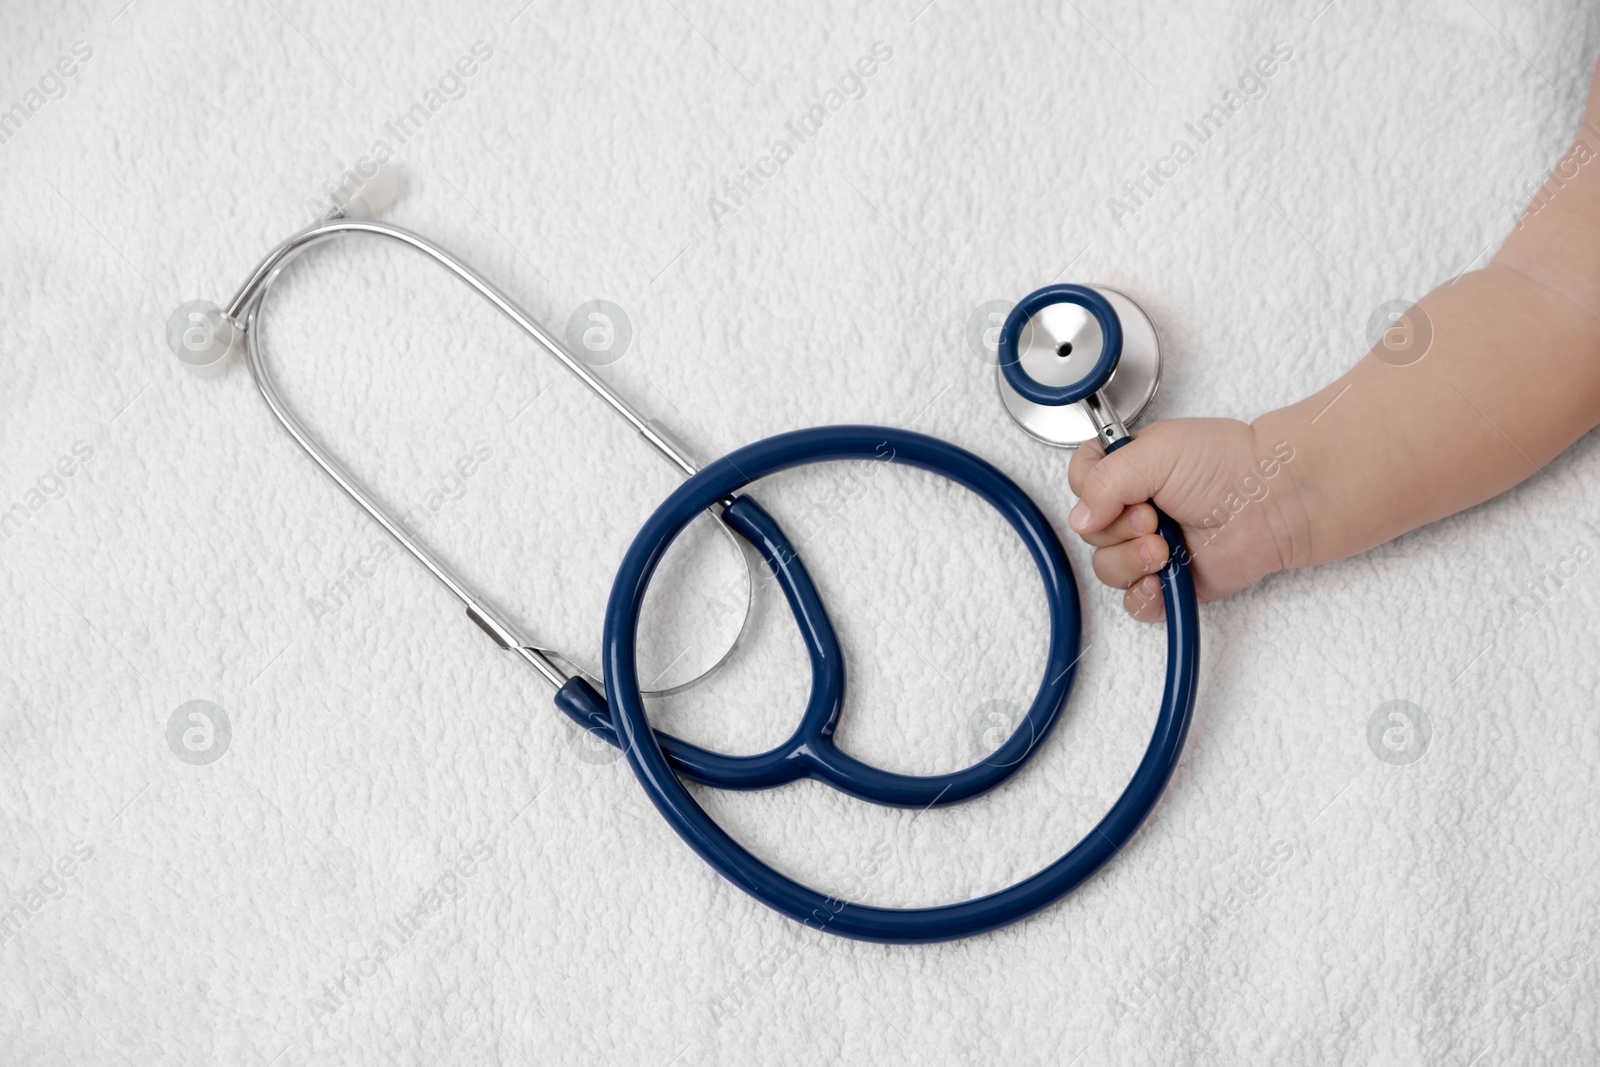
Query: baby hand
x,y
1235,498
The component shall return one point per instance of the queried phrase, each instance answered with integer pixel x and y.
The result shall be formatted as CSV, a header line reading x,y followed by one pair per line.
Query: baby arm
x,y
1511,378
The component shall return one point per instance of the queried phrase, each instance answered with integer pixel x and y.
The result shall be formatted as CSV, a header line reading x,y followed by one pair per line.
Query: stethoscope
x,y
1064,372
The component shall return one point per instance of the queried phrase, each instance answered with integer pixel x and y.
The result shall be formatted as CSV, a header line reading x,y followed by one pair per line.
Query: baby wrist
x,y
1285,468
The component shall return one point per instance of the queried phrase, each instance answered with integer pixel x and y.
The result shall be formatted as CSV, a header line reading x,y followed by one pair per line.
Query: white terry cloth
x,y
395,786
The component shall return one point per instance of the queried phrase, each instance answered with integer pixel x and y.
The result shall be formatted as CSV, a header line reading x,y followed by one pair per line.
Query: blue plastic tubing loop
x,y
662,762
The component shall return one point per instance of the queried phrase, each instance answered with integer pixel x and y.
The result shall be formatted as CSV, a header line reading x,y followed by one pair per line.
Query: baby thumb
x,y
1133,473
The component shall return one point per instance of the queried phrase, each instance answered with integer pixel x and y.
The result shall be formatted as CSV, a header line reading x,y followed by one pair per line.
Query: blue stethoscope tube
x,y
659,760
810,751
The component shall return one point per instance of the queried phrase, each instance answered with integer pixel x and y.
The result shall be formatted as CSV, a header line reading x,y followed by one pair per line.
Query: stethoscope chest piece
x,y
1062,344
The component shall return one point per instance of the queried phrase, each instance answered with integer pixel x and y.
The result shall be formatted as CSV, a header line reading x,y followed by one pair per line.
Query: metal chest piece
x,y
1060,346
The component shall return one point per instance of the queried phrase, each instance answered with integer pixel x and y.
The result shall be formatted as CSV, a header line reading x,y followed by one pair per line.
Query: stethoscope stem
x,y
1108,424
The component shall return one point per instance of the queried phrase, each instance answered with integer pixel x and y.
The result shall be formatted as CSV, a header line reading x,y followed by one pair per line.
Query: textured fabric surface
x,y
396,852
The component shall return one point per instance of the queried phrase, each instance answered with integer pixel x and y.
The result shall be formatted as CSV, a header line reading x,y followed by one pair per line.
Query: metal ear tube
x,y
244,312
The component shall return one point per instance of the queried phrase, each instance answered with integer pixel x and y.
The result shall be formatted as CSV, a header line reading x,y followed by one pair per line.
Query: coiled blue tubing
x,y
662,762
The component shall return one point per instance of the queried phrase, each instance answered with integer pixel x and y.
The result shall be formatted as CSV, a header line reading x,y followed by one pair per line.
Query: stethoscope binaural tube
x,y
246,308
661,776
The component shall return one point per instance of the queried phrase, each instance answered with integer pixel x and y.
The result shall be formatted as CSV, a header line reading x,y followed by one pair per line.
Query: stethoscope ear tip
x,y
375,195
202,337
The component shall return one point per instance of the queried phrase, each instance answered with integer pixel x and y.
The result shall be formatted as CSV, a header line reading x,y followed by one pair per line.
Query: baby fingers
x,y
1121,565
1144,601
1135,520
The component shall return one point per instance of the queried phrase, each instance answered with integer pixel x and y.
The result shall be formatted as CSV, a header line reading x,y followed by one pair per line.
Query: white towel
x,y
403,854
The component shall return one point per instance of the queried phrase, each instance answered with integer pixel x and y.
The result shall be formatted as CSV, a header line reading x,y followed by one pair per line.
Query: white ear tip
x,y
202,337
376,194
